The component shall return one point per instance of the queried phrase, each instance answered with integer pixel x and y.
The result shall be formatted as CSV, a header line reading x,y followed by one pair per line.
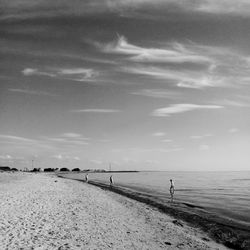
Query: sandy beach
x,y
42,211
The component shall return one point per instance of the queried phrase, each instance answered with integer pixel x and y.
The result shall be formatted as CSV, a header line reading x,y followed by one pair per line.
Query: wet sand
x,y
42,211
231,233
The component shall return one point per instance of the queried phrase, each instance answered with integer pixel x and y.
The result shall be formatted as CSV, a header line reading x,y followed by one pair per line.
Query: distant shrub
x,y
64,169
99,170
49,170
76,169
35,170
4,168
14,169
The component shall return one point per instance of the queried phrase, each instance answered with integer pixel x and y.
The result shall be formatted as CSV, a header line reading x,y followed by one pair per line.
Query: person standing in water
x,y
171,190
86,177
111,181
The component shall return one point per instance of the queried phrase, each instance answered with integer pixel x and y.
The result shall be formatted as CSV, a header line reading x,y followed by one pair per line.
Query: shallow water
x,y
226,194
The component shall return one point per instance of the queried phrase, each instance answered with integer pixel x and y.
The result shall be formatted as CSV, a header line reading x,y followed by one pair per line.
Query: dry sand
x,y
41,211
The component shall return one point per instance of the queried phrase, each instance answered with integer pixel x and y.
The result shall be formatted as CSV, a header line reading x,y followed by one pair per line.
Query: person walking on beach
x,y
111,181
171,190
86,177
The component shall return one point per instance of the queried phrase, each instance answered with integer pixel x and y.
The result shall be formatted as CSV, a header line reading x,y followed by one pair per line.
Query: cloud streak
x,y
167,140
67,139
16,138
174,53
182,78
236,102
226,7
44,9
96,111
181,108
65,157
148,150
25,143
186,65
204,147
73,74
32,92
233,130
199,137
230,7
71,135
157,93
6,157
159,134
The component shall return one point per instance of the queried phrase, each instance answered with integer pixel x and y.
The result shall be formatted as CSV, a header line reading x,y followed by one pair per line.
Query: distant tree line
x,y
50,169
66,169
6,168
85,170
35,170
55,169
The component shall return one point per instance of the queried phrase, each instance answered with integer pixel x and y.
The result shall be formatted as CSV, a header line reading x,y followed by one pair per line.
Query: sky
x,y
138,84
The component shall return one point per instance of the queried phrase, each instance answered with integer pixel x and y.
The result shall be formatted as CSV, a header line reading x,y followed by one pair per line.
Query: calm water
x,y
226,194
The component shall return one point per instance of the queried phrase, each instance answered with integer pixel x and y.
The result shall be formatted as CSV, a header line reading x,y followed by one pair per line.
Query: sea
x,y
224,194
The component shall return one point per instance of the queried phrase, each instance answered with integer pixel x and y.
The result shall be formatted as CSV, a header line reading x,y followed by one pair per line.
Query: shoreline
x,y
42,211
221,230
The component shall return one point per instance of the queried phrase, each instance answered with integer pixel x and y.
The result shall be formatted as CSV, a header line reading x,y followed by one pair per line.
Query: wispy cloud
x,y
42,143
16,138
157,93
230,7
74,57
233,130
11,158
66,139
95,111
31,92
144,8
78,72
55,139
226,7
147,150
234,102
65,157
182,78
199,137
18,141
77,142
97,162
187,65
71,135
167,140
174,53
73,74
158,134
31,72
180,108
204,147
6,157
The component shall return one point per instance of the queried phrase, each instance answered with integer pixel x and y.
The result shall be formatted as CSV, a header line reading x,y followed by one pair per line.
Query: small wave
x,y
199,189
192,205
